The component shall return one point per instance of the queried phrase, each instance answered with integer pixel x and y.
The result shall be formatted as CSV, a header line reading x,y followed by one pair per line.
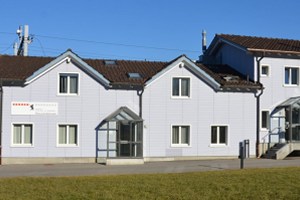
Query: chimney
x,y
203,41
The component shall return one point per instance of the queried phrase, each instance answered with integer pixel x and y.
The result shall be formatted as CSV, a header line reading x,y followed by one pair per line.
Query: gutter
x,y
297,53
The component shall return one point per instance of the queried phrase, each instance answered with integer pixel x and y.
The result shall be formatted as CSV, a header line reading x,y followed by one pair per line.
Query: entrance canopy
x,y
123,114
293,101
121,135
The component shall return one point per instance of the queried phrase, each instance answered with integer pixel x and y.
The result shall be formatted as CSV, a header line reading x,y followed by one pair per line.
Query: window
x,y
68,135
181,87
22,134
291,76
264,70
110,62
180,135
219,135
134,75
265,120
68,83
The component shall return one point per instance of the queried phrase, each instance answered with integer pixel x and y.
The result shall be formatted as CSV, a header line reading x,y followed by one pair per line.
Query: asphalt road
x,y
53,170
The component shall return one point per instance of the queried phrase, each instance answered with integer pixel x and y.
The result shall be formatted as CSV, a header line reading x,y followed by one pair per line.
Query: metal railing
x,y
268,135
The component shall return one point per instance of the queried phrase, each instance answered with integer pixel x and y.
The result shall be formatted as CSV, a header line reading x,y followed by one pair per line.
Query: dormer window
x,y
68,83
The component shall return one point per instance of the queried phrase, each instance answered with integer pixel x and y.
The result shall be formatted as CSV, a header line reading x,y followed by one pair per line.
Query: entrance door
x,y
125,140
127,144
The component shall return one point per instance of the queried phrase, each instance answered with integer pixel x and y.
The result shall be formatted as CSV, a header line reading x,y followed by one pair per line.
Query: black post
x,y
242,155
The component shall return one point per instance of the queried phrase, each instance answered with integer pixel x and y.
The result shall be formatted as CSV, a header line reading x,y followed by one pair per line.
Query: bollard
x,y
242,155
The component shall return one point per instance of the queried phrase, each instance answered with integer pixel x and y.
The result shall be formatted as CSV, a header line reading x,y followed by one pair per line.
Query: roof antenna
x,y
21,49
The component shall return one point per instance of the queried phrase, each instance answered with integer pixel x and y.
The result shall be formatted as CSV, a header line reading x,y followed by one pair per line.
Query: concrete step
x,y
278,151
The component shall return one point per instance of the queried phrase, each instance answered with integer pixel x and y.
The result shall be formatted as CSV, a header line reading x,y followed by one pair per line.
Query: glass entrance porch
x,y
120,135
291,108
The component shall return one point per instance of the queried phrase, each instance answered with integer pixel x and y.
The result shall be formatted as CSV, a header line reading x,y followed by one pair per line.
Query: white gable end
x,y
67,57
185,62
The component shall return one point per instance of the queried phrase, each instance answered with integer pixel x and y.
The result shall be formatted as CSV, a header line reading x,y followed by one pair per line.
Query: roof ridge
x,y
259,37
118,60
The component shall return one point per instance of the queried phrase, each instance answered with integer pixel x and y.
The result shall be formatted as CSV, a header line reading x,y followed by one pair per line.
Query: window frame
x,y
261,70
181,144
68,75
180,95
268,120
22,144
289,84
67,144
218,144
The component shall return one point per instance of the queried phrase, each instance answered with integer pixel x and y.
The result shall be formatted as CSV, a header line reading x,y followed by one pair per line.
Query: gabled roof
x,y
115,73
258,45
189,64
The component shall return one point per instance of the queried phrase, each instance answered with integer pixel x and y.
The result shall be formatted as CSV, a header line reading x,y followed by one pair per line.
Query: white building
x,y
275,64
69,109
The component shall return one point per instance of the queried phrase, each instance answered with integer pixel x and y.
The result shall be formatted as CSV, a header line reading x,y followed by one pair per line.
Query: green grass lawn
x,y
277,183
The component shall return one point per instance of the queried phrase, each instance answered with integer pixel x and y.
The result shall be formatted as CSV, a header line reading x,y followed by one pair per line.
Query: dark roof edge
x,y
11,82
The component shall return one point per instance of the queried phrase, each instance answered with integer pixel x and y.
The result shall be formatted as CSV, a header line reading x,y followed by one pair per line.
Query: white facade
x,y
277,86
203,110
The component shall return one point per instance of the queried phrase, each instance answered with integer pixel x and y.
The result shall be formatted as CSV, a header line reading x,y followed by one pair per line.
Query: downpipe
x,y
258,59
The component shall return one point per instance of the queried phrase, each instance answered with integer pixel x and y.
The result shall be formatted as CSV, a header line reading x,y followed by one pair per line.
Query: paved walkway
x,y
147,168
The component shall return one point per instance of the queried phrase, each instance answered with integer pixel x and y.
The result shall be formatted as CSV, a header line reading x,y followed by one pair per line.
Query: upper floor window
x,y
181,87
219,135
22,134
291,76
68,83
180,135
264,70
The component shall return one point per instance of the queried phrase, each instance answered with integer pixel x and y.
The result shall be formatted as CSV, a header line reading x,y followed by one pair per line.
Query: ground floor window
x,y
265,119
68,134
180,135
219,134
22,134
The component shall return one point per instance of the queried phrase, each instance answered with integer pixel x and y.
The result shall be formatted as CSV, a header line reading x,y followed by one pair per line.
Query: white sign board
x,y
34,108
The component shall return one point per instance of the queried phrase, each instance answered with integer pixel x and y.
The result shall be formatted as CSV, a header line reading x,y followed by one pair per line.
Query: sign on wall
x,y
34,108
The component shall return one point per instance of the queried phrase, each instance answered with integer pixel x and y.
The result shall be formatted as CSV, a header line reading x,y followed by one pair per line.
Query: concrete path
x,y
147,168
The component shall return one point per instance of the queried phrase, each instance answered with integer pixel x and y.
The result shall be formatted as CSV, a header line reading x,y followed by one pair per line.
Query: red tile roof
x,y
228,77
263,43
20,68
118,73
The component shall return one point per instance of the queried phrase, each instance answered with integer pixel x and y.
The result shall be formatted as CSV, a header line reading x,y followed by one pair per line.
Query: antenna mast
x,y
21,48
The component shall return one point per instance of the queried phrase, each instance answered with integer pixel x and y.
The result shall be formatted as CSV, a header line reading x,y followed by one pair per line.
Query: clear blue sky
x,y
141,29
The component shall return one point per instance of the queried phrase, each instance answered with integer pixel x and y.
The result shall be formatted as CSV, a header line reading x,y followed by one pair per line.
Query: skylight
x,y
110,62
134,75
